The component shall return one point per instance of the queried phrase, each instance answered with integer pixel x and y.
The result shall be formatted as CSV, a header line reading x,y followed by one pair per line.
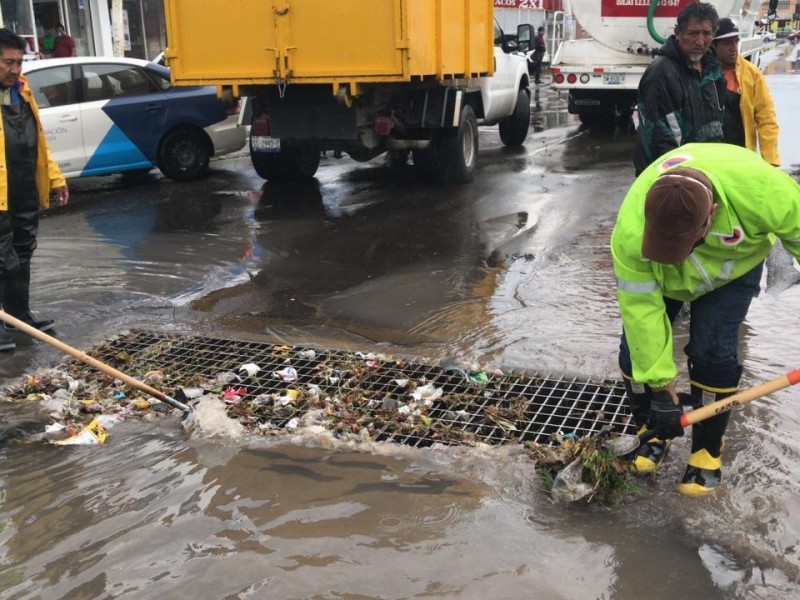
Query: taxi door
x,y
123,114
55,92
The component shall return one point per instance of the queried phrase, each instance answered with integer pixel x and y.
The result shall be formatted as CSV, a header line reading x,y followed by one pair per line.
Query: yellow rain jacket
x,y
48,175
758,112
755,200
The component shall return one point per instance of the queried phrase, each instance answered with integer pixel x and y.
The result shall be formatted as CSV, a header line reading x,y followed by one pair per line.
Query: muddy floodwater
x,y
511,271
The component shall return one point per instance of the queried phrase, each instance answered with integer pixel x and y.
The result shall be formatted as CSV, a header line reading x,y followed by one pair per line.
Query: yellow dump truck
x,y
358,76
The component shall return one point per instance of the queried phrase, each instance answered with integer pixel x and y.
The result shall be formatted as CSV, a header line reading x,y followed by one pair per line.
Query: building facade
x,y
89,22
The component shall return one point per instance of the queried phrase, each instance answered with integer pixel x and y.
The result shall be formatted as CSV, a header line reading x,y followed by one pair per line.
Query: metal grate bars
x,y
375,393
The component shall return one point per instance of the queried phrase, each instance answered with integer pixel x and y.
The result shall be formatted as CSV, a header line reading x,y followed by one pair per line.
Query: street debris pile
x,y
275,390
584,469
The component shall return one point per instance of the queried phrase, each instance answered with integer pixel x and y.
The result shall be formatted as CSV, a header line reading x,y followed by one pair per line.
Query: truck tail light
x,y
383,125
585,78
572,78
559,78
260,125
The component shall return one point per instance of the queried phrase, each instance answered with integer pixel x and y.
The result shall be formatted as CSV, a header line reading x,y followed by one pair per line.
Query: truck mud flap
x,y
435,109
313,121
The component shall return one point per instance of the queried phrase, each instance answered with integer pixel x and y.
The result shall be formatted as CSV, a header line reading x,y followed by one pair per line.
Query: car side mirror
x,y
525,37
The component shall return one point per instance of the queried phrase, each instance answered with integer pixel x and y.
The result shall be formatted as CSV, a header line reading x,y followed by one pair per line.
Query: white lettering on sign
x,y
531,4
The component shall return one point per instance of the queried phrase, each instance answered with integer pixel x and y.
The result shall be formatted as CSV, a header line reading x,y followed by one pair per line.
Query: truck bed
x,y
246,42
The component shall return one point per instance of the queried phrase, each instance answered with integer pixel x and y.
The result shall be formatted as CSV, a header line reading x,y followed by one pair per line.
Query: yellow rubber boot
x,y
703,474
650,455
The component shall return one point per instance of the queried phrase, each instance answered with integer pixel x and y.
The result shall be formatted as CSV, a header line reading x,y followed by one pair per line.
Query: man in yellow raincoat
x,y
749,116
27,177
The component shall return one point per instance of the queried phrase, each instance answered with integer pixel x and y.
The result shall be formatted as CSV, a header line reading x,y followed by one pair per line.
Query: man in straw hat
x,y
694,227
749,116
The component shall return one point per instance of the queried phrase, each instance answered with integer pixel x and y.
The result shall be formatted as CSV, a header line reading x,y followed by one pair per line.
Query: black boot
x,y
6,343
650,454
704,469
16,299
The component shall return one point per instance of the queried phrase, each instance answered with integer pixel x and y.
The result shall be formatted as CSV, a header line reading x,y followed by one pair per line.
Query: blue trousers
x,y
713,331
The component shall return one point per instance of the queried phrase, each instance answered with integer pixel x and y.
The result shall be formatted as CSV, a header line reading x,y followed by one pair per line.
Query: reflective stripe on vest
x,y
637,287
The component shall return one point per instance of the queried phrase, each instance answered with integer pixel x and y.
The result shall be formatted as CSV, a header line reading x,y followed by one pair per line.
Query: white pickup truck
x,y
362,77
436,121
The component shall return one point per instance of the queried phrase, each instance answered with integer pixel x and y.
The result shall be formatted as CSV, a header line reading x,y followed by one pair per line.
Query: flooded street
x,y
509,271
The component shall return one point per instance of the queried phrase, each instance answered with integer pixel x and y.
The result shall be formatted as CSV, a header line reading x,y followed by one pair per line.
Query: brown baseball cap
x,y
676,212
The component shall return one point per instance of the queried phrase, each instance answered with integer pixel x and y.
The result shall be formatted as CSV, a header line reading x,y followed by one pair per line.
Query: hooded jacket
x,y
757,112
48,175
756,203
677,104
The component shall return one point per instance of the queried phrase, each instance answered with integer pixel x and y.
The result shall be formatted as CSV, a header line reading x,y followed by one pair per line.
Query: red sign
x,y
638,8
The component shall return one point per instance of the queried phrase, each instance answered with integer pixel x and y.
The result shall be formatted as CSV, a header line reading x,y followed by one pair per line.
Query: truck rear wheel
x,y
514,129
452,156
292,163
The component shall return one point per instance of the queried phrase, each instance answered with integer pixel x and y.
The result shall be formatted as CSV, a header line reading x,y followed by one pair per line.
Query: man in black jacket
x,y
681,94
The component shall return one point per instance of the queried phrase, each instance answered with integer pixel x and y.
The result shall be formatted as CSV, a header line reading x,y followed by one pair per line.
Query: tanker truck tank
x,y
601,73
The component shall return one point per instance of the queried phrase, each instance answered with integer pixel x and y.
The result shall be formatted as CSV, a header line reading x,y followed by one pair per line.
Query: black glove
x,y
689,400
665,416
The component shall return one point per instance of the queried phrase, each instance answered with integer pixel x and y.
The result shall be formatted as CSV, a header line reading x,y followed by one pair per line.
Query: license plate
x,y
613,78
264,143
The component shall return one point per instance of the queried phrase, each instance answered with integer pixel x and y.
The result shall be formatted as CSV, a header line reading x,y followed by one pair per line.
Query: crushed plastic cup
x,y
568,485
287,374
427,394
250,369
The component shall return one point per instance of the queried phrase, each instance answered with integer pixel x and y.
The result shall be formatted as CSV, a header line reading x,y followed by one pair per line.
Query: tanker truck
x,y
362,77
602,73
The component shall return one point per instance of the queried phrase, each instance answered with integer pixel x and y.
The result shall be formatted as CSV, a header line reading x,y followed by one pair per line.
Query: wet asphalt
x,y
511,270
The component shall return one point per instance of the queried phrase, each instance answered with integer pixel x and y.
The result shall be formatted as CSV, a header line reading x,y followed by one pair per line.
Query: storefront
x,y
89,24
144,26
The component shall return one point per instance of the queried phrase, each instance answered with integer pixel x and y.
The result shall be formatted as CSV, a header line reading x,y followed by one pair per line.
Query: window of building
x,y
18,17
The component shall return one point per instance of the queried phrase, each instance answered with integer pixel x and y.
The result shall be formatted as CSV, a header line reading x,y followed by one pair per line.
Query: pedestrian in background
x,y
681,93
695,227
64,44
539,49
749,117
27,176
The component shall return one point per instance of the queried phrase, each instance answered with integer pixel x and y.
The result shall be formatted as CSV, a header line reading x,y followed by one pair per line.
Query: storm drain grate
x,y
375,392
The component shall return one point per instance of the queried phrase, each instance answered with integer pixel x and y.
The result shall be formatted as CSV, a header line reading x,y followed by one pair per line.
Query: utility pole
x,y
117,28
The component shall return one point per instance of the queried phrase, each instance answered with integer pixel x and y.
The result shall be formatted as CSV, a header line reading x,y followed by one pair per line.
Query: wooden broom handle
x,y
740,398
82,356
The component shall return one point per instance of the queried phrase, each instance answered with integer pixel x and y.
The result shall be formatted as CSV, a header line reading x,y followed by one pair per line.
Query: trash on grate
x,y
277,389
94,434
584,469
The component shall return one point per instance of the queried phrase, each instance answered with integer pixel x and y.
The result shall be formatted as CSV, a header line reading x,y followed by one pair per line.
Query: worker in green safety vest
x,y
695,227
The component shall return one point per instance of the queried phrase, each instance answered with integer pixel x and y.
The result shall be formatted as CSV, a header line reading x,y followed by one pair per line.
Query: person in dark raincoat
x,y
682,92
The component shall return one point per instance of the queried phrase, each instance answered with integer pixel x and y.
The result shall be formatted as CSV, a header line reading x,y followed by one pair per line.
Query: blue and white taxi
x,y
105,115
